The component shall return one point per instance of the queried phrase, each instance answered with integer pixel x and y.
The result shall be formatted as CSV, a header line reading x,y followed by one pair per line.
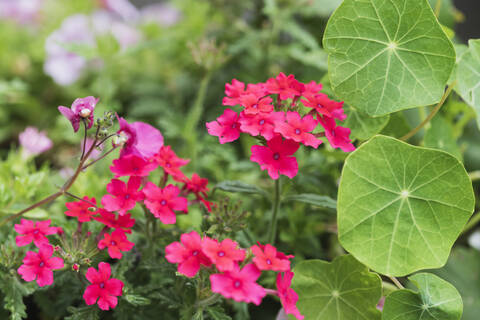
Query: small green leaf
x,y
468,75
240,187
217,313
137,300
400,207
436,299
343,289
314,199
439,135
83,313
13,292
386,56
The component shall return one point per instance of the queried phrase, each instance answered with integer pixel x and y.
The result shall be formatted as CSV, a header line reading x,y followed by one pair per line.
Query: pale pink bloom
x,y
21,11
34,142
164,14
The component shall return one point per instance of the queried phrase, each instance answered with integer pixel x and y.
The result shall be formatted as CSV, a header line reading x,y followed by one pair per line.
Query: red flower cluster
x,y
280,123
234,282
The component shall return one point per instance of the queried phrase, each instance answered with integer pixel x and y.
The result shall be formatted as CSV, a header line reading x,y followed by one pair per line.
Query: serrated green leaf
x,y
217,313
386,56
468,76
240,187
439,135
314,199
83,313
13,300
137,300
400,207
436,299
343,289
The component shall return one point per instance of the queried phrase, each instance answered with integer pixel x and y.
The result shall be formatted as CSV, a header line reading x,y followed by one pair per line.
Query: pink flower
x,y
239,285
168,160
125,195
233,92
40,265
312,88
34,142
188,254
285,87
268,258
226,127
254,104
33,231
125,222
324,106
21,11
381,303
287,295
276,157
260,123
339,137
223,254
142,139
82,210
102,287
197,185
116,243
123,8
297,129
132,165
164,202
164,14
82,108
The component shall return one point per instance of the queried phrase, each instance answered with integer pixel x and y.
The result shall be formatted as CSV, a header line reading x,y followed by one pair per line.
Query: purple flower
x,y
141,139
21,11
123,8
82,108
34,142
163,14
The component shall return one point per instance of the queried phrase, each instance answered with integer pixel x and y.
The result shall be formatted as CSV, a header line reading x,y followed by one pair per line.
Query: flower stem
x,y
84,139
100,158
272,232
431,115
438,7
397,283
472,223
474,175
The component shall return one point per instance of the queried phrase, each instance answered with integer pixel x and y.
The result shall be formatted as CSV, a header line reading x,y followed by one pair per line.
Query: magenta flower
x,y
142,139
297,129
188,254
125,222
102,287
82,108
82,210
33,231
324,106
223,254
233,92
226,127
277,157
288,297
285,87
260,123
268,258
34,142
125,195
40,265
312,88
239,285
116,243
163,203
168,160
254,104
132,165
339,137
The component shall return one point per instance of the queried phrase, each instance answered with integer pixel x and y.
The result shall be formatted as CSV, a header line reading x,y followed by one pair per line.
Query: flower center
x,y
35,232
127,196
41,264
261,122
276,156
234,126
237,283
195,253
84,113
113,243
135,169
269,262
163,202
297,131
221,254
168,165
102,285
255,106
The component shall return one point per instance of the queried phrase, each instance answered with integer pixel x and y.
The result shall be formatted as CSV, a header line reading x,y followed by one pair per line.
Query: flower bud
x,y
120,139
76,267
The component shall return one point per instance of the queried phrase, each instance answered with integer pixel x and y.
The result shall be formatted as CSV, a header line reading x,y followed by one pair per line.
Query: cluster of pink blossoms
x,y
236,277
281,123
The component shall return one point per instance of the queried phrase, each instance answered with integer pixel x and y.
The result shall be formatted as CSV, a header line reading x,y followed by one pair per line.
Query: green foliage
x,y
435,299
439,135
343,289
14,291
394,196
386,56
83,313
313,199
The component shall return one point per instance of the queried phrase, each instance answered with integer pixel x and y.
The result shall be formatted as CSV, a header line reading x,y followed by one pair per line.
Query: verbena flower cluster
x,y
282,123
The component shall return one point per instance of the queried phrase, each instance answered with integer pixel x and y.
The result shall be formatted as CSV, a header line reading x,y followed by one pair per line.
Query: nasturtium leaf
x,y
397,126
343,289
313,199
468,75
401,208
386,56
463,271
436,299
439,135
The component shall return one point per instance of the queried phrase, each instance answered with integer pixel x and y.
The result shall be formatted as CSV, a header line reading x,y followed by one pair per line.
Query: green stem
x,y
471,224
438,7
272,232
397,283
431,115
474,175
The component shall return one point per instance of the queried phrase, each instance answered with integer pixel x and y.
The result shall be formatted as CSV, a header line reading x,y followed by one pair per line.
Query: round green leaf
x,y
386,56
468,75
439,135
437,299
362,125
343,289
400,207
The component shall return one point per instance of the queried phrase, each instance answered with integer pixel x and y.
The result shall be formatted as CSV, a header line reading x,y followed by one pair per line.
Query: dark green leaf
x,y
314,199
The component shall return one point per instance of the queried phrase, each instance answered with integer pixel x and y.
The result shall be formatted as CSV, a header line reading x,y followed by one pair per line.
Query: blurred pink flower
x,y
34,142
95,153
20,11
122,8
164,14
